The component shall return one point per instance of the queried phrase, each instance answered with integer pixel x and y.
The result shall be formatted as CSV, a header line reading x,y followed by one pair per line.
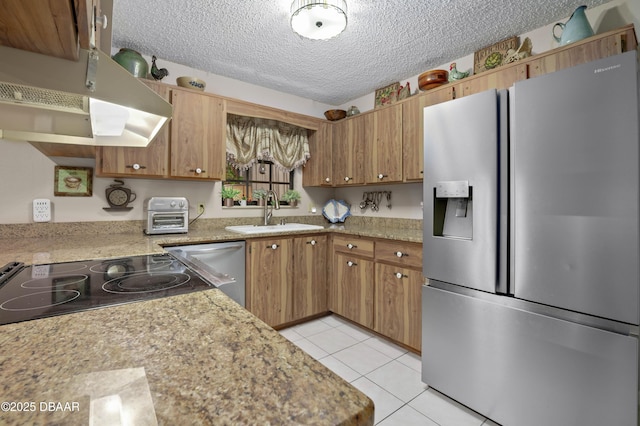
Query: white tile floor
x,y
387,373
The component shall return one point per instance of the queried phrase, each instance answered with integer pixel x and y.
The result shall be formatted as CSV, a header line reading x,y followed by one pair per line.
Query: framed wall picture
x,y
73,181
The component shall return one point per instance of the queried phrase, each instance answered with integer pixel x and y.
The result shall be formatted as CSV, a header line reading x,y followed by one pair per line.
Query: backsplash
x,y
62,229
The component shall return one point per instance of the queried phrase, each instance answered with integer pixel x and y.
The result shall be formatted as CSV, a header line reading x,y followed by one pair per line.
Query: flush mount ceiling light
x,y
318,20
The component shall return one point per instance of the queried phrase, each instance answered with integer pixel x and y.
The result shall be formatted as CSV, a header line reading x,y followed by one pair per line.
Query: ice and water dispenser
x,y
453,210
461,195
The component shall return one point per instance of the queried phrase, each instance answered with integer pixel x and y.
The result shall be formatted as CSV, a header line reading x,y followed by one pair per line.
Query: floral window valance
x,y
250,139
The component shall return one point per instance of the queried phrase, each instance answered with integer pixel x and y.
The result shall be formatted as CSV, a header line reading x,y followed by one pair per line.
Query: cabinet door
x,y
150,161
309,284
413,130
502,78
384,158
398,304
50,28
348,145
198,136
318,170
351,291
584,51
269,277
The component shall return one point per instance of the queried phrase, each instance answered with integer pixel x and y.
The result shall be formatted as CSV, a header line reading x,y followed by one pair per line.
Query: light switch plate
x,y
42,210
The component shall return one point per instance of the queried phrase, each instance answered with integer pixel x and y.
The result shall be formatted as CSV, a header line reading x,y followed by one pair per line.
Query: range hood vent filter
x,y
14,93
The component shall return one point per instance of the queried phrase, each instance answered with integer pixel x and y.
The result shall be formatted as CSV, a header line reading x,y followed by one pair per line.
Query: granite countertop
x,y
66,247
190,359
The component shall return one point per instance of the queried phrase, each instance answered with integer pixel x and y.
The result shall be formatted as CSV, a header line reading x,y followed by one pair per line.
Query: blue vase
x,y
576,28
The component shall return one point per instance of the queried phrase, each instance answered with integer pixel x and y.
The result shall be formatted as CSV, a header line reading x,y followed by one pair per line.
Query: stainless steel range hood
x,y
93,101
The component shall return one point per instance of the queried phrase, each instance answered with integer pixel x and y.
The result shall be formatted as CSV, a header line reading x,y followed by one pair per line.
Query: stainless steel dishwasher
x,y
222,264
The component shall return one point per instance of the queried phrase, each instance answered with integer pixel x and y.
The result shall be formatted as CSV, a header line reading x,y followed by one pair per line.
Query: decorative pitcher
x,y
576,28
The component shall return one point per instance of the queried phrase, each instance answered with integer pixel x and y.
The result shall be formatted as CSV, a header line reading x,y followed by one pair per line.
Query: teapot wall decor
x,y
576,28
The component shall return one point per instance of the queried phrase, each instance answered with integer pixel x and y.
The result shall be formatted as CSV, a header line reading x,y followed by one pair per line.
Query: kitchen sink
x,y
261,229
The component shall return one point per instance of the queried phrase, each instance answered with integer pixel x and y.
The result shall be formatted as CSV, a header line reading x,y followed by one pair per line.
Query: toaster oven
x,y
167,215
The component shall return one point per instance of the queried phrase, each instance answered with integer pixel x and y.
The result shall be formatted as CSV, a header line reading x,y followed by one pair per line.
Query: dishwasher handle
x,y
212,249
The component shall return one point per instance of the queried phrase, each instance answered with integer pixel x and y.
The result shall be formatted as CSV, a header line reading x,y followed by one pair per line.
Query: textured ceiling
x,y
385,40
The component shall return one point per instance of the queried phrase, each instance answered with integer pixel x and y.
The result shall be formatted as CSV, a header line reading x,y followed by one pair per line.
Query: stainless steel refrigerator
x,y
531,248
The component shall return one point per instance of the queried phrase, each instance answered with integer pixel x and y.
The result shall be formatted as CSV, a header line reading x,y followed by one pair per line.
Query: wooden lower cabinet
x,y
352,292
398,304
270,271
377,283
310,276
287,278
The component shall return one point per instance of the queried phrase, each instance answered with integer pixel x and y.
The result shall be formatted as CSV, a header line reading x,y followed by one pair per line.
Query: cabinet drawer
x,y
354,245
400,253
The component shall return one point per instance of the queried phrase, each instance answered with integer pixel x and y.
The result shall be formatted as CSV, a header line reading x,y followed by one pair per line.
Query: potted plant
x,y
292,197
228,194
259,195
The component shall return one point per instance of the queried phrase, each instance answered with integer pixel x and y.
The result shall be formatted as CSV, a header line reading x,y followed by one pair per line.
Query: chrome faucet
x,y
276,204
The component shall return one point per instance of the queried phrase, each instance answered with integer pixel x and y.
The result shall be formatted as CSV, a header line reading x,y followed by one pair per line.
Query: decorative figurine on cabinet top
x,y
454,74
157,74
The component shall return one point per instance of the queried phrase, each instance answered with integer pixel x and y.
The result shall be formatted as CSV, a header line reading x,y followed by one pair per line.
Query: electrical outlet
x,y
200,208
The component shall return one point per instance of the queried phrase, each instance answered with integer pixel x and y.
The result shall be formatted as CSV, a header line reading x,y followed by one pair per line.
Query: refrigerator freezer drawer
x,y
523,368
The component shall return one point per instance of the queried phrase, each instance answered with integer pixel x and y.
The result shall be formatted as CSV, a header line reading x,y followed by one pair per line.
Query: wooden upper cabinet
x,y
586,50
318,170
349,140
47,27
383,153
502,79
55,28
198,136
413,130
151,161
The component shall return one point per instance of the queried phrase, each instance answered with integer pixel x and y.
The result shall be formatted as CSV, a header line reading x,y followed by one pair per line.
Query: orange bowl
x,y
434,78
335,114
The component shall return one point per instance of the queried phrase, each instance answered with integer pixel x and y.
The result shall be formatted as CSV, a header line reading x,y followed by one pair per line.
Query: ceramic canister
x,y
133,62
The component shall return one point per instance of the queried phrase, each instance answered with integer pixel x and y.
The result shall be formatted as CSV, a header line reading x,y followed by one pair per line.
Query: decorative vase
x,y
132,61
576,28
228,202
261,201
293,203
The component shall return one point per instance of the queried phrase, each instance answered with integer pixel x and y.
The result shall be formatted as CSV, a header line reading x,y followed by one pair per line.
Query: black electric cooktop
x,y
40,291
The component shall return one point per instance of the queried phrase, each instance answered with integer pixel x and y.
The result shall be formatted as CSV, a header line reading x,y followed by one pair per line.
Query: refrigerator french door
x,y
531,248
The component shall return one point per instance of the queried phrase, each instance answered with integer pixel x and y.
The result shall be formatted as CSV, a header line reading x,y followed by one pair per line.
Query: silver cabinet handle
x,y
401,254
347,178
351,246
400,275
381,176
273,246
350,263
136,166
312,242
197,170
